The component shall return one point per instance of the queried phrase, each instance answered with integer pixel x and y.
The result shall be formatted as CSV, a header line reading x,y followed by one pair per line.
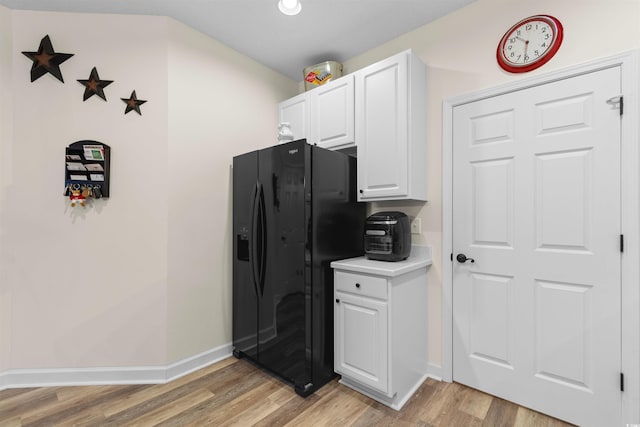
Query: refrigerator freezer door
x,y
245,297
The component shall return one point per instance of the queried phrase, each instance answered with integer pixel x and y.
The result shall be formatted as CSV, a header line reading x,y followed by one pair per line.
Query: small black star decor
x,y
45,60
94,86
133,103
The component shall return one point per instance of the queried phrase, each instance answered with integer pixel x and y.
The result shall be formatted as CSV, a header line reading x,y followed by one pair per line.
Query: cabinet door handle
x,y
357,285
338,300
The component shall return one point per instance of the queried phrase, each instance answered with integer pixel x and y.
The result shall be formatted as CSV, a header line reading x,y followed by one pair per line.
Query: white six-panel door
x,y
536,205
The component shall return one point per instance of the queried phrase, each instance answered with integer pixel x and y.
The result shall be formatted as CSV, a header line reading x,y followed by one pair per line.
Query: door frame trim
x,y
630,208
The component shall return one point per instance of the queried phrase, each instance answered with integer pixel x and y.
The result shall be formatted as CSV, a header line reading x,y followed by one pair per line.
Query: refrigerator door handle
x,y
253,239
262,247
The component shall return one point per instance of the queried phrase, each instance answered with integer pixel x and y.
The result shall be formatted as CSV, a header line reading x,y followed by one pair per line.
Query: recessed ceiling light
x,y
289,7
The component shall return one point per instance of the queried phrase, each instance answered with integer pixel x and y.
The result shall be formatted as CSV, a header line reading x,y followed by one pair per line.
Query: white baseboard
x,y
20,378
434,371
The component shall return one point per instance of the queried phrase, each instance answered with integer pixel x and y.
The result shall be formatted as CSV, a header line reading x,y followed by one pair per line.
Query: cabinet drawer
x,y
359,284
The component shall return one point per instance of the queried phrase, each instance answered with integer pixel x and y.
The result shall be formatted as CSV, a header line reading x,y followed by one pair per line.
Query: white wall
x,y
88,284
141,278
6,130
221,104
459,50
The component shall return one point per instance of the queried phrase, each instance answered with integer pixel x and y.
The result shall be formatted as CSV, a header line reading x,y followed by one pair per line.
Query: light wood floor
x,y
233,392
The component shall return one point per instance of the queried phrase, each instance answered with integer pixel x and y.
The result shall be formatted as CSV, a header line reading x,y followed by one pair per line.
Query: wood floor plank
x,y
245,402
59,413
500,414
236,393
249,411
11,422
204,375
291,408
334,409
24,403
527,417
224,392
476,403
176,407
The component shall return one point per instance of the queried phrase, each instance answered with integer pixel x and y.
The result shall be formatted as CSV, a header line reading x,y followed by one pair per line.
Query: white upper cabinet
x,y
295,111
324,115
332,114
381,110
391,116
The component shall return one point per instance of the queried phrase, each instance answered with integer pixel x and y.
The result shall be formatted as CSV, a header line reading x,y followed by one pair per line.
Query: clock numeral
x,y
528,27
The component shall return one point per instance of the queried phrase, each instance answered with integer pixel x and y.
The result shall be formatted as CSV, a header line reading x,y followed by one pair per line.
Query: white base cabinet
x,y
380,327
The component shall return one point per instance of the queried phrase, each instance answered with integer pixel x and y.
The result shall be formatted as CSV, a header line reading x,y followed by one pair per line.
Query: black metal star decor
x,y
46,60
94,86
133,103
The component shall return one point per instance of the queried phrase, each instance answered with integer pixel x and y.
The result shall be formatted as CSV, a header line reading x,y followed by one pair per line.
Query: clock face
x,y
529,44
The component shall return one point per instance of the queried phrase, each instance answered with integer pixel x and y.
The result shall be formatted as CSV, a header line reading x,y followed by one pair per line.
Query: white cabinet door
x,y
381,128
295,111
361,340
332,114
391,116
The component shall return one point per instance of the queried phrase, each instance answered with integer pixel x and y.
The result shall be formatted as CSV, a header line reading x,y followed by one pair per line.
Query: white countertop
x,y
420,257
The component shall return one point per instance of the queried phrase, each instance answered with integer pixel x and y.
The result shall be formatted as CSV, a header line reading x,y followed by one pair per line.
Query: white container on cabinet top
x,y
391,116
380,325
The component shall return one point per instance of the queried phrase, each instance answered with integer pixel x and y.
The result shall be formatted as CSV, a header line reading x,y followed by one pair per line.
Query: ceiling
x,y
325,30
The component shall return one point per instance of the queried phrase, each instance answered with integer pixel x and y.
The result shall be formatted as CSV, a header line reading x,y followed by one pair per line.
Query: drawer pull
x,y
338,300
357,285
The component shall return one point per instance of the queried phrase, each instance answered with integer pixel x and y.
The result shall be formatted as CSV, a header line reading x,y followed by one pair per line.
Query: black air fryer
x,y
387,236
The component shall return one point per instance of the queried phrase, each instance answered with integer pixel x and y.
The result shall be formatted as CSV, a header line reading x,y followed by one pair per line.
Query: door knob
x,y
462,258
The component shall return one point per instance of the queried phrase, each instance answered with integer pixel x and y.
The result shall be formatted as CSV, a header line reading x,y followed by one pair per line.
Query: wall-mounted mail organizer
x,y
87,170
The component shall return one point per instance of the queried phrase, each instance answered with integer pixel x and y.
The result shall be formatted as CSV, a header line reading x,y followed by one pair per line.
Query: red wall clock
x,y
530,43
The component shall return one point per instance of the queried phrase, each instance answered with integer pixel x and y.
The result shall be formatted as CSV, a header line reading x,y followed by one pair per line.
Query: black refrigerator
x,y
294,211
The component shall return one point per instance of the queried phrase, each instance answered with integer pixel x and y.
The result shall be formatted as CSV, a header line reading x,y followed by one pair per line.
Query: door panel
x,y
563,342
536,192
490,318
564,189
362,340
493,203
